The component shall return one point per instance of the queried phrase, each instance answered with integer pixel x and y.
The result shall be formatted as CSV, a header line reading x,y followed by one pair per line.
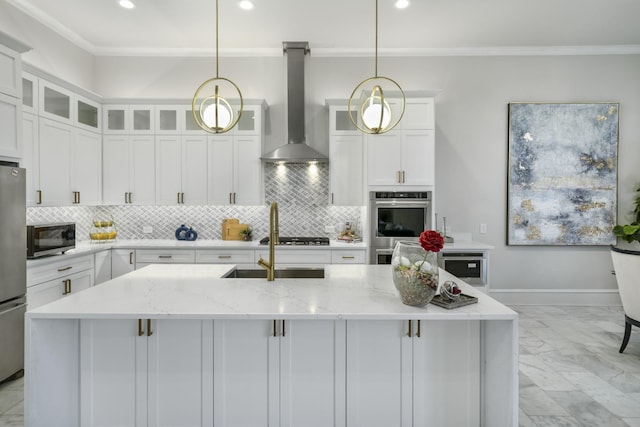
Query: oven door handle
x,y
415,203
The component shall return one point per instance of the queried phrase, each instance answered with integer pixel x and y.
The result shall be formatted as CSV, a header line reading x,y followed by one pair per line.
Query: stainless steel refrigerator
x,y
13,270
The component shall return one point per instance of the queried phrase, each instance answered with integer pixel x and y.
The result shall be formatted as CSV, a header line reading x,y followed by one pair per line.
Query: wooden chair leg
x,y
627,334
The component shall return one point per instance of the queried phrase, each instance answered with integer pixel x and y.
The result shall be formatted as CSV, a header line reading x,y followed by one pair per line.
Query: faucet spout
x,y
274,238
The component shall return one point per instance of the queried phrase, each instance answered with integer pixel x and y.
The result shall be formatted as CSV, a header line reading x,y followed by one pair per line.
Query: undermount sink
x,y
283,273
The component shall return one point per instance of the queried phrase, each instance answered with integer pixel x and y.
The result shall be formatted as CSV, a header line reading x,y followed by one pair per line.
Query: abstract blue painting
x,y
563,173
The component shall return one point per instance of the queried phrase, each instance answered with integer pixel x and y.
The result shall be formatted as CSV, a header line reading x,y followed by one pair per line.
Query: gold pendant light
x,y
377,104
210,107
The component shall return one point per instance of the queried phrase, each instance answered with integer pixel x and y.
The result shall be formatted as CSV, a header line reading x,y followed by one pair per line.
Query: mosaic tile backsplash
x,y
302,193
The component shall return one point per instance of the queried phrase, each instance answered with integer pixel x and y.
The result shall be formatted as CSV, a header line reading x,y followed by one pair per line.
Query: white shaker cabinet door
x,y
168,170
142,170
345,170
248,171
113,379
122,261
312,373
384,159
418,162
221,170
31,160
55,163
378,373
245,373
195,185
180,373
86,172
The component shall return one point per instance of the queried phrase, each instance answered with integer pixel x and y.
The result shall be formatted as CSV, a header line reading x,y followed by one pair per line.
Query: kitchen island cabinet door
x,y
245,373
378,371
138,380
312,373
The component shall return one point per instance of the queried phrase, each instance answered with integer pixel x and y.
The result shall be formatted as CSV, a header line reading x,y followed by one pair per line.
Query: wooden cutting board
x,y
231,229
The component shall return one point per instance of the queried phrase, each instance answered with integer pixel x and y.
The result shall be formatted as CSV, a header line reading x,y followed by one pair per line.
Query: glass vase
x,y
415,273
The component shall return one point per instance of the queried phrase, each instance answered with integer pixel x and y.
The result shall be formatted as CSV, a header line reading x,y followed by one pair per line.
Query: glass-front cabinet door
x,y
29,93
168,120
339,121
87,114
55,102
115,118
142,119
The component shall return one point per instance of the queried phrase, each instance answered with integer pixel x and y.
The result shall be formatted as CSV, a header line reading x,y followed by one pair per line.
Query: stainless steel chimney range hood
x,y
296,150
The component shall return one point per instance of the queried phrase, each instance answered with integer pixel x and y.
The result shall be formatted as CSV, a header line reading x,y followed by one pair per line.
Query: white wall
x,y
51,52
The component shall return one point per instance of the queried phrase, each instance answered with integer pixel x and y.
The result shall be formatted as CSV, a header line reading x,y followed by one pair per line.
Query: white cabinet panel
x,y
181,170
55,162
11,125
123,261
418,162
86,172
53,290
225,256
384,159
356,256
10,69
346,170
129,170
31,160
102,269
248,170
168,170
221,169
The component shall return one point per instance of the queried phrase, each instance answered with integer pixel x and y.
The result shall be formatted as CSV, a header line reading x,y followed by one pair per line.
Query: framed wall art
x,y
562,173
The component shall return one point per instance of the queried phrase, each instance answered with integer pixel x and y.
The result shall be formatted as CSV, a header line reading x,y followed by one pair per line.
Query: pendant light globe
x,y
214,102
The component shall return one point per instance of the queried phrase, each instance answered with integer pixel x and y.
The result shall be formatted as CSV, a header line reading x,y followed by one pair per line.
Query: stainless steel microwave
x,y
50,239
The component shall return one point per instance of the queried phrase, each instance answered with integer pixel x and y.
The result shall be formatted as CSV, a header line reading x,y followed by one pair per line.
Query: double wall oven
x,y
396,215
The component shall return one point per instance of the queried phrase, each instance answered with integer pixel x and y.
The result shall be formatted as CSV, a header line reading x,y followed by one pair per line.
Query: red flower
x,y
431,241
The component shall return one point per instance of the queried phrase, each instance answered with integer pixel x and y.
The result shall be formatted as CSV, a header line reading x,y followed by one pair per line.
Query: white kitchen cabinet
x,y
427,373
31,159
86,167
346,170
54,158
401,158
70,166
145,257
11,125
168,120
225,256
348,256
290,373
181,170
128,119
55,102
51,279
123,261
87,114
128,170
11,67
419,113
235,170
29,93
102,266
164,372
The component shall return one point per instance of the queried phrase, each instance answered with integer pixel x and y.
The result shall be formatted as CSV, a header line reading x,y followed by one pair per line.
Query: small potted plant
x,y
630,232
247,234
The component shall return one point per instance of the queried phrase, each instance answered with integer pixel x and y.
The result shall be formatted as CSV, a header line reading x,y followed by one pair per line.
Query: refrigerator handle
x,y
13,306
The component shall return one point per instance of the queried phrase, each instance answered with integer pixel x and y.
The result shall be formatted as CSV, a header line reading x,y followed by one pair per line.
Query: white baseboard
x,y
586,297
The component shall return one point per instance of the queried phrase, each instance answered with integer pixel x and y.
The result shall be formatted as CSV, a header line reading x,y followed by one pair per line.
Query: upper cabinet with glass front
x,y
128,119
250,122
339,121
60,104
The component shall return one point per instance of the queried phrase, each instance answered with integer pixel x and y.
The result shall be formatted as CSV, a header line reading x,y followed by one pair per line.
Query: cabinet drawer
x,y
301,256
225,256
347,257
53,290
45,271
165,256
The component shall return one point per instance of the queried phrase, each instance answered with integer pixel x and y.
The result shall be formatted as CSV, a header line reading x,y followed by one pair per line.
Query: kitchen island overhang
x,y
349,295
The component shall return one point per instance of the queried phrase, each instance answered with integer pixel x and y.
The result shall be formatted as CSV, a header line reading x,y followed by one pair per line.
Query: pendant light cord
x,y
376,50
217,14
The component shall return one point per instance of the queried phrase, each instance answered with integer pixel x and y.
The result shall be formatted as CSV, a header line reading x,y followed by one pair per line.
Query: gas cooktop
x,y
299,241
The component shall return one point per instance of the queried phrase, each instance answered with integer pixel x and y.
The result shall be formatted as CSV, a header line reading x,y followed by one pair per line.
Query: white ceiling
x,y
344,27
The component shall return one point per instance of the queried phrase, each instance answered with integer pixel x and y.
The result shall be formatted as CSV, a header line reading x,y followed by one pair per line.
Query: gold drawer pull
x,y
165,256
348,257
65,268
224,256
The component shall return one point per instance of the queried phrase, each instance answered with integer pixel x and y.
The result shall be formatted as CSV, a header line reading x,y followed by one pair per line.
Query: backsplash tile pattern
x,y
302,193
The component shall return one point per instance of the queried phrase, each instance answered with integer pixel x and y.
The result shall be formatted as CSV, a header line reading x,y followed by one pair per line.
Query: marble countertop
x,y
199,292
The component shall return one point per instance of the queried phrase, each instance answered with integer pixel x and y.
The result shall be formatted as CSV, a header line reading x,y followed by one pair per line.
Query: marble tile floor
x,y
571,373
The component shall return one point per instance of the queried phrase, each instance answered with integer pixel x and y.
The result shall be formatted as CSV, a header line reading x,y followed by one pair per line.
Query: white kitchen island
x,y
178,345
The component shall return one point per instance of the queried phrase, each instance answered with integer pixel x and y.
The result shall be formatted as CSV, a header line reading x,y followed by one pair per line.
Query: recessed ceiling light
x,y
245,4
127,4
401,4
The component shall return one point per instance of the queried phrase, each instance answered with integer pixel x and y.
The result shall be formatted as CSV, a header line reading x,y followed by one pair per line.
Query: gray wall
x,y
471,134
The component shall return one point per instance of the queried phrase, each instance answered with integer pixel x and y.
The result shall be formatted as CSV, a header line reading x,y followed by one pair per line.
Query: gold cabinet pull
x,y
39,197
178,197
165,256
182,198
274,328
332,202
131,258
409,334
230,202
234,198
348,257
67,287
65,268
126,197
130,197
403,177
418,333
149,331
283,327
224,256
140,331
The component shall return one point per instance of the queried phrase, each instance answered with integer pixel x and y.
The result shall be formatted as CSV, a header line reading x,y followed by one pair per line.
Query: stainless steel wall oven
x,y
396,215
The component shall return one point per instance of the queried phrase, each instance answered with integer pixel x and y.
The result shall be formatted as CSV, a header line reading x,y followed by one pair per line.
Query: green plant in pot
x,y
247,233
630,232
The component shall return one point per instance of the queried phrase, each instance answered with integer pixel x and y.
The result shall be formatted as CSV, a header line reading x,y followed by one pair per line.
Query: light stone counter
x,y
198,291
